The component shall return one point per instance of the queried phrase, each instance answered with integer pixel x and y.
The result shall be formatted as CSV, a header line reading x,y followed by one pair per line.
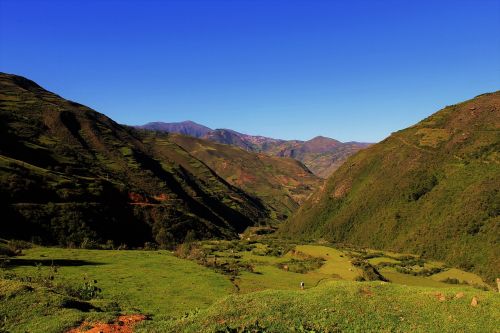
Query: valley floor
x,y
242,286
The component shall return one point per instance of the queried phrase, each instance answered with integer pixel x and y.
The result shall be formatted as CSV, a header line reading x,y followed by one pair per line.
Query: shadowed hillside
x,y
281,183
70,175
432,189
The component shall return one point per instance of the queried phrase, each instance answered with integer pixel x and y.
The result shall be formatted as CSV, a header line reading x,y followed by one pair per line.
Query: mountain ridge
x,y
184,127
321,154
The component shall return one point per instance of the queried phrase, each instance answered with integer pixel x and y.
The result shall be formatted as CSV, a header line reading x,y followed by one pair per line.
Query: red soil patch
x,y
143,204
161,197
124,324
342,189
245,178
137,198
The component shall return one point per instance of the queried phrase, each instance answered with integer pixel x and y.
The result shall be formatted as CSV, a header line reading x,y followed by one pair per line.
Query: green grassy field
x,y
337,263
155,283
28,307
344,306
151,281
410,280
182,295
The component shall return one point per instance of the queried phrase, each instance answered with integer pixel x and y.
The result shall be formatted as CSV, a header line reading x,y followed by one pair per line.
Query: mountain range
x,y
69,174
432,189
321,155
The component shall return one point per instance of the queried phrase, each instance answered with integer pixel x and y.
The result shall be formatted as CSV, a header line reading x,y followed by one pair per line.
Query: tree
x,y
164,238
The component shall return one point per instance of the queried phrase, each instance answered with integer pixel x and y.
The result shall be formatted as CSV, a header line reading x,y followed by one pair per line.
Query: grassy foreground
x,y
344,306
43,290
146,282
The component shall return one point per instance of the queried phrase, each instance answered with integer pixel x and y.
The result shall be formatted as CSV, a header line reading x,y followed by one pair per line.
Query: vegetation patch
x,y
301,265
370,273
432,137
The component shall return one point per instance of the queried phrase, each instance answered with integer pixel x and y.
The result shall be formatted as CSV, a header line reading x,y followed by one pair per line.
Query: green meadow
x,y
241,286
152,282
344,306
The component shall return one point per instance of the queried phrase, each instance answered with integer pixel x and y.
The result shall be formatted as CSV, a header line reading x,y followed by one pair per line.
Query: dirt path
x,y
124,324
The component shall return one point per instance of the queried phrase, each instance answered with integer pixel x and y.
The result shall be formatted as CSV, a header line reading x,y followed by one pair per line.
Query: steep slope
x,y
431,189
281,183
185,127
70,175
321,155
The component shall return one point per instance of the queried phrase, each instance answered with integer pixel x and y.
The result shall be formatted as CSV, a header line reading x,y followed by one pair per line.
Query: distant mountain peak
x,y
322,155
187,127
321,138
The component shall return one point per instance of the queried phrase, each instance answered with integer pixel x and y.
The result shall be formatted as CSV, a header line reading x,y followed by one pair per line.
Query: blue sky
x,y
351,70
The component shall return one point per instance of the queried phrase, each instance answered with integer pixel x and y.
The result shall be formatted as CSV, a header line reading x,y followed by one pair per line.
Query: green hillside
x,y
431,189
70,175
282,183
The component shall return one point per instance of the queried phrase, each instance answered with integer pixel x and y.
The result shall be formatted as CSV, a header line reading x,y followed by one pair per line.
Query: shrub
x,y
6,251
422,272
372,255
122,247
457,281
110,245
370,273
165,239
302,266
190,237
150,246
18,245
88,243
190,251
87,291
451,281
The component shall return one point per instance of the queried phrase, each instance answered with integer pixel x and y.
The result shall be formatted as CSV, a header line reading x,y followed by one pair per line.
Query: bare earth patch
x,y
124,324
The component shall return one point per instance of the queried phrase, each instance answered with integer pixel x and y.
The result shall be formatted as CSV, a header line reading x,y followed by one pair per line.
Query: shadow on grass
x,y
14,262
79,305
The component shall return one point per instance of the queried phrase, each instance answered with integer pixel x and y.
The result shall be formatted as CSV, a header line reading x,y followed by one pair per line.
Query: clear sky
x,y
350,70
